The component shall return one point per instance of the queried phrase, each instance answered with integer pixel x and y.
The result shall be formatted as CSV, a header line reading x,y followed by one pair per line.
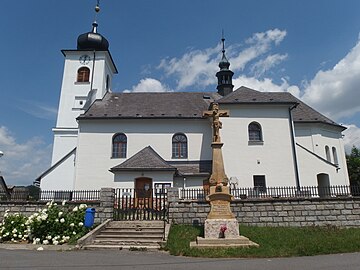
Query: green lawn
x,y
273,241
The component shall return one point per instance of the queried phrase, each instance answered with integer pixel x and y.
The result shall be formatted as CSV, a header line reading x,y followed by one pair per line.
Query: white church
x,y
155,140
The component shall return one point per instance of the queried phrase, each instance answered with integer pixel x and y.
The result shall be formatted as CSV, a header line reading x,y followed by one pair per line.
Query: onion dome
x,y
224,63
92,40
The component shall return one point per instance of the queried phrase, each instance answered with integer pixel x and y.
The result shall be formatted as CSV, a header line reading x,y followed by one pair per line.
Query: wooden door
x,y
143,192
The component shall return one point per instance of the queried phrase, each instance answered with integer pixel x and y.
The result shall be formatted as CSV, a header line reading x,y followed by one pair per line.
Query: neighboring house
x,y
4,191
144,140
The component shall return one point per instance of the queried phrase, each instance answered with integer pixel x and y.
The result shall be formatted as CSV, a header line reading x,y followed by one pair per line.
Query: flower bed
x,y
56,224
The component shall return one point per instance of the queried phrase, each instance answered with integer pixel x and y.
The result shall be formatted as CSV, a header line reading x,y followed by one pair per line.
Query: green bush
x,y
52,225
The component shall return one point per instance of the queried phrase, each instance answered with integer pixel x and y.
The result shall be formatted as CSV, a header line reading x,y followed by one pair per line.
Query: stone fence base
x,y
294,212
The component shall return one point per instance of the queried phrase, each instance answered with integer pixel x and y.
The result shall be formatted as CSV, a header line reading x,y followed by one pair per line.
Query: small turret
x,y
224,75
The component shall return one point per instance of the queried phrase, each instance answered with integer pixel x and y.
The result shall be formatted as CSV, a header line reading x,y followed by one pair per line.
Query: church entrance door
x,y
143,192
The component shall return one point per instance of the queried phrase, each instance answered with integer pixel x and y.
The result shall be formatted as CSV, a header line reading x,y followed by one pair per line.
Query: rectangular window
x,y
161,188
259,183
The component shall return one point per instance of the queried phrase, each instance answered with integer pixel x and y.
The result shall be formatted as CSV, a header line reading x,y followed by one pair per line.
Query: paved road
x,y
124,260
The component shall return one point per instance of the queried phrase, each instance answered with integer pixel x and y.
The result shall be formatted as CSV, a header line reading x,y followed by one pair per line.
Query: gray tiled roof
x,y
179,105
145,159
151,105
199,167
302,112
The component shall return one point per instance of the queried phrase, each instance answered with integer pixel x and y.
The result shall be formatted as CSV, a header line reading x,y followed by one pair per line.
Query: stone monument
x,y
221,226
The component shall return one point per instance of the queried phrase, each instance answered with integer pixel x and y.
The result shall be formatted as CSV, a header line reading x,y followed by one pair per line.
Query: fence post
x,y
107,200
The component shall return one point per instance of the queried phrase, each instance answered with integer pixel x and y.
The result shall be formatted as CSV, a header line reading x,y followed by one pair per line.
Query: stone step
x,y
125,237
122,231
121,247
136,224
128,242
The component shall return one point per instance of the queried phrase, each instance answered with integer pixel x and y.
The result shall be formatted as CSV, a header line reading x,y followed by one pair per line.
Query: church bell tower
x,y
87,76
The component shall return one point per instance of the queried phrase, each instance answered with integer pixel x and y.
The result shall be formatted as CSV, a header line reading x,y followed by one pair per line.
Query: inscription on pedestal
x,y
220,209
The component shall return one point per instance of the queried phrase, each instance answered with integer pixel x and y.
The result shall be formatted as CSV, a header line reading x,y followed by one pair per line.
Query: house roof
x,y
190,105
146,159
197,167
3,187
150,105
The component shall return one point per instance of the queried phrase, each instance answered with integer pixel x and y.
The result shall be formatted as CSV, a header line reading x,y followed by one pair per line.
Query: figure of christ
x,y
215,113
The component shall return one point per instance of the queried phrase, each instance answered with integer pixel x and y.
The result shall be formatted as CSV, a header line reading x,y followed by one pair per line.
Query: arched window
x,y
255,133
336,162
179,146
119,144
83,74
327,153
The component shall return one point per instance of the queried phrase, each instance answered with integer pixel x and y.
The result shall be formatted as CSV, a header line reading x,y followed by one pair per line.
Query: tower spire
x,y
224,75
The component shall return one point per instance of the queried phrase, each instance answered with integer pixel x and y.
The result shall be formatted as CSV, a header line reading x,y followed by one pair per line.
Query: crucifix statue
x,y
218,177
215,114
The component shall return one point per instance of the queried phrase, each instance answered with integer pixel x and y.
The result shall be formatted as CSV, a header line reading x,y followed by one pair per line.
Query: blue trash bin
x,y
89,217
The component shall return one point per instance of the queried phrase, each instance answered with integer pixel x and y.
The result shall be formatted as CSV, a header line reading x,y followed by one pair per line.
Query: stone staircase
x,y
137,235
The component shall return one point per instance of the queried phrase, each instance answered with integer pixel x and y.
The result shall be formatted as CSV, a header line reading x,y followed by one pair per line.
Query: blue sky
x,y
309,48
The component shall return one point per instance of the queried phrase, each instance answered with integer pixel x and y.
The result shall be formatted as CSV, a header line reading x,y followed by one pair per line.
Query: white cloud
x,y
351,137
336,92
148,85
22,162
198,67
264,65
37,109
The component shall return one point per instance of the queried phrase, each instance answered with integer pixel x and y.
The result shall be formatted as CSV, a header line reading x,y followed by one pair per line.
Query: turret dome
x,y
92,40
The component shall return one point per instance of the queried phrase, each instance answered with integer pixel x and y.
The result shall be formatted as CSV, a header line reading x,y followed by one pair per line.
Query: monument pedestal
x,y
221,217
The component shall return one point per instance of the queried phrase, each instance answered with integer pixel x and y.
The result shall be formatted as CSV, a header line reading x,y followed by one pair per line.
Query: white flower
x,y
15,235
75,209
72,225
37,240
82,206
57,220
20,236
14,230
48,237
81,224
45,242
38,218
44,217
12,222
40,248
62,220
63,203
60,214
55,242
74,233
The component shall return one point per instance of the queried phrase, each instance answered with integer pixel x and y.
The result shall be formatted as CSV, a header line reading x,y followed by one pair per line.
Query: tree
x,y
353,164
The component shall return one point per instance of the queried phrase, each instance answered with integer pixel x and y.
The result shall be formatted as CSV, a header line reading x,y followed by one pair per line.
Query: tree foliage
x,y
353,164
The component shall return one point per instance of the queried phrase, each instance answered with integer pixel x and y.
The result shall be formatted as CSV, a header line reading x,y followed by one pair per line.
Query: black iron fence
x,y
140,204
276,192
50,195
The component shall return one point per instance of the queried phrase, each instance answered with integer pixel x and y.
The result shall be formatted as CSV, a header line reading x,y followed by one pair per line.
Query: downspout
x,y
291,122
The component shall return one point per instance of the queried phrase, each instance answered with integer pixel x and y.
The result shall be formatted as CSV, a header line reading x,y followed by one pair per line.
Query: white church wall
x,y
127,179
272,158
95,144
189,181
62,177
316,137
